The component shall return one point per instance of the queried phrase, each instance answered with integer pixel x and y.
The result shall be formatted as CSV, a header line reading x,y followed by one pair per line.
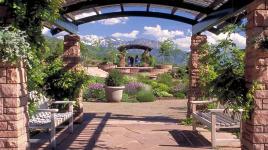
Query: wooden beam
x,y
122,7
136,13
174,10
95,10
148,7
66,25
98,3
226,11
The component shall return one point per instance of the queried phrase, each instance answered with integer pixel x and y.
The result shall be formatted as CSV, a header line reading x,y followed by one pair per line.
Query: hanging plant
x,y
13,45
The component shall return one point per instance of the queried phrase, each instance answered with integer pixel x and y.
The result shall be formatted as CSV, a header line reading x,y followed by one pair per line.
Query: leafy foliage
x,y
166,49
187,121
115,78
14,46
217,58
145,96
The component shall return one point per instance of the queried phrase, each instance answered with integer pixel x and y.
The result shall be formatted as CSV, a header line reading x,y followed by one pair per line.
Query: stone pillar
x,y
71,59
194,91
122,59
13,107
255,130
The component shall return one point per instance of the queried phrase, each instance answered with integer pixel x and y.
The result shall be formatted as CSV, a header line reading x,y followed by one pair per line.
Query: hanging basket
x,y
3,11
5,15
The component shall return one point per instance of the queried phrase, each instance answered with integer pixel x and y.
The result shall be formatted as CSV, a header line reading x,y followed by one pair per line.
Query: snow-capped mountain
x,y
94,40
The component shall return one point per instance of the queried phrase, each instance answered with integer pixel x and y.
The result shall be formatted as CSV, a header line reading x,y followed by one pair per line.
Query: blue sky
x,y
130,28
129,24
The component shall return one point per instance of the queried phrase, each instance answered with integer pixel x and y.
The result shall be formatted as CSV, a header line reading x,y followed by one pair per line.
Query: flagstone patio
x,y
135,126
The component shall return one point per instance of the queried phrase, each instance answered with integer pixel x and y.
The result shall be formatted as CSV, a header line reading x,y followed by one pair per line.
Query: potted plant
x,y
145,58
114,86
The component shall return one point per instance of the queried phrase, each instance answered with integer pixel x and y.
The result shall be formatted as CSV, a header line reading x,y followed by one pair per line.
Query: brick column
x,y
71,59
122,59
13,107
194,91
255,130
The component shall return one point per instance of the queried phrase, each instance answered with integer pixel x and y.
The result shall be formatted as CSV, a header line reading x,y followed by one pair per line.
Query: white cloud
x,y
132,34
114,21
161,34
46,31
183,43
238,39
84,15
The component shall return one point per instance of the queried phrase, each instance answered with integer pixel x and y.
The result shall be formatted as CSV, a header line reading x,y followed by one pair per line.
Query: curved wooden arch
x,y
134,46
99,3
136,13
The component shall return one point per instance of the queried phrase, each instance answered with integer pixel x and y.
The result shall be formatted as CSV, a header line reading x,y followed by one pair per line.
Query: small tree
x,y
166,49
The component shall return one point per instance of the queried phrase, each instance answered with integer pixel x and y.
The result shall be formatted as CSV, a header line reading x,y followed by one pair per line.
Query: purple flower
x,y
134,87
96,86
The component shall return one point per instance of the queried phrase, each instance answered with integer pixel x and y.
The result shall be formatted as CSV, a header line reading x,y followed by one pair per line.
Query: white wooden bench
x,y
216,119
50,119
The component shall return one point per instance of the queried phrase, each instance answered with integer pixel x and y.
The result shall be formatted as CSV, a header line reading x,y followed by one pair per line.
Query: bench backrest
x,y
42,102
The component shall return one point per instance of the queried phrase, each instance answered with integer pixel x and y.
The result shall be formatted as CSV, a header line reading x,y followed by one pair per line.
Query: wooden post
x,y
213,130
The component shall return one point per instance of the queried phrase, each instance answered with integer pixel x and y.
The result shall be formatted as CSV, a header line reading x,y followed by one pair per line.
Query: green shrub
x,y
129,99
179,95
65,85
161,90
128,79
187,121
145,96
165,78
115,78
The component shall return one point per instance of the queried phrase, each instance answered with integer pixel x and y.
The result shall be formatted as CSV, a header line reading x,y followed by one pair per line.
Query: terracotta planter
x,y
114,94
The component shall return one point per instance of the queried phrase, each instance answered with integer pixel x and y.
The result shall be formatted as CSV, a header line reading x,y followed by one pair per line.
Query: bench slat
x,y
221,119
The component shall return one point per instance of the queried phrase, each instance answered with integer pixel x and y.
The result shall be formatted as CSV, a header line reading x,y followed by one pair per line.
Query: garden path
x,y
137,126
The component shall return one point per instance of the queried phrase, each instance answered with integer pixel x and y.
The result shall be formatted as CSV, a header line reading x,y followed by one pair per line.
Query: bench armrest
x,y
202,102
222,110
63,102
195,103
48,110
70,103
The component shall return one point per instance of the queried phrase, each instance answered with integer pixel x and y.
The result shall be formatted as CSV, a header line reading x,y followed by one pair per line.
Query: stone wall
x,y
255,130
194,89
13,107
71,58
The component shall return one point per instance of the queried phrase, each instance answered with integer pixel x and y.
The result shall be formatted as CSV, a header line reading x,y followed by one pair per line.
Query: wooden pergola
x,y
203,15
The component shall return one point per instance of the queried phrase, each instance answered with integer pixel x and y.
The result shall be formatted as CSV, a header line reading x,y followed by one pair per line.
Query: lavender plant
x,y
134,87
96,90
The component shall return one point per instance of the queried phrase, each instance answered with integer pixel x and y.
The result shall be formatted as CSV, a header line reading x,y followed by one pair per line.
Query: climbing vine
x,y
222,73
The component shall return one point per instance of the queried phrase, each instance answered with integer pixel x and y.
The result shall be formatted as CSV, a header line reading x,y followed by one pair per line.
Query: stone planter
x,y
107,67
169,67
114,94
145,65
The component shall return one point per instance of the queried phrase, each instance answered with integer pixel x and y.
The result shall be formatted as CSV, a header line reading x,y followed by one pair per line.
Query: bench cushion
x,y
43,119
222,120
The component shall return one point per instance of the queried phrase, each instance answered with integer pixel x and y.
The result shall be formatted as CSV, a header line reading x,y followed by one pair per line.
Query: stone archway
x,y
122,49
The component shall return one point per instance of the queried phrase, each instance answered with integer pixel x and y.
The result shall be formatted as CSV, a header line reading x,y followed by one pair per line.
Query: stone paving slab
x,y
153,129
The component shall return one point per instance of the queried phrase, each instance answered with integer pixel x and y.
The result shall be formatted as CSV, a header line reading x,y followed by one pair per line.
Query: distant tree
x,y
167,47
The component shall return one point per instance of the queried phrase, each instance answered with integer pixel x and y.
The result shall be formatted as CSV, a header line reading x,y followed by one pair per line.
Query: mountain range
x,y
110,42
